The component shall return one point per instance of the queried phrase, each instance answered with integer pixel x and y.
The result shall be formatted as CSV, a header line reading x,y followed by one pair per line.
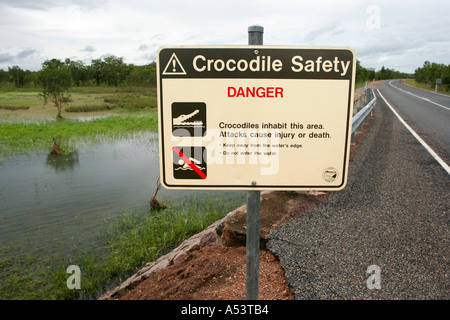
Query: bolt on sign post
x,y
255,118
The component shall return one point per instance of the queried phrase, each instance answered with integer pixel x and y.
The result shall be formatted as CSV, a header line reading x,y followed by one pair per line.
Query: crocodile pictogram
x,y
181,119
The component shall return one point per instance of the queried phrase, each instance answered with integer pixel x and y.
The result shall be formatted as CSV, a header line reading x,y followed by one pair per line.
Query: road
x,y
427,113
392,217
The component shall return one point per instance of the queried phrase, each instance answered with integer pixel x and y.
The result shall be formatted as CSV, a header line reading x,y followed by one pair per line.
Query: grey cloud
x,y
88,49
6,57
26,53
143,47
149,56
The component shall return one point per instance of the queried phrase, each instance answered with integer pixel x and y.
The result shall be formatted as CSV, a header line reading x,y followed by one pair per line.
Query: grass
x,y
92,100
414,83
18,97
123,98
13,107
28,130
360,84
134,239
26,138
89,108
17,100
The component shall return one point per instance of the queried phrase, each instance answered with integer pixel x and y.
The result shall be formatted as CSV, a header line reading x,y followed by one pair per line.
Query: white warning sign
x,y
278,116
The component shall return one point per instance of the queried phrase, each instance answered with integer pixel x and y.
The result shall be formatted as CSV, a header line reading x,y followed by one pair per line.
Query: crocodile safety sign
x,y
255,117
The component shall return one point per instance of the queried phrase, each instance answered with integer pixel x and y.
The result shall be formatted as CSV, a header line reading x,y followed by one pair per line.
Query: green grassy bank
x,y
26,138
125,246
27,125
426,86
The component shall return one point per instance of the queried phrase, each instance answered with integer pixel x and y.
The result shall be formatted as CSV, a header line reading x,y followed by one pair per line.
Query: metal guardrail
x,y
363,114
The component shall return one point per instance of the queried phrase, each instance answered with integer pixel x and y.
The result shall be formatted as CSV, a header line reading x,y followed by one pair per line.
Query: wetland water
x,y
55,203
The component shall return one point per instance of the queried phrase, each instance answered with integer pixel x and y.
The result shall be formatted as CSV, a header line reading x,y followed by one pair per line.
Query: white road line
x,y
427,100
424,144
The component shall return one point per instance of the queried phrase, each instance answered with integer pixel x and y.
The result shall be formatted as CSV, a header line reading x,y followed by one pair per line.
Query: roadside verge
x,y
211,264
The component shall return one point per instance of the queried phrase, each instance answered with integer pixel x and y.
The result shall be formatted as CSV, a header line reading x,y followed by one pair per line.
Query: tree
x,y
361,72
56,80
17,75
3,76
386,73
97,66
81,73
446,76
371,74
142,75
430,71
113,71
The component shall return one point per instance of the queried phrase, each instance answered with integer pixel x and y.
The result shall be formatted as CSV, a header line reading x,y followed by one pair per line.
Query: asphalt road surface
x,y
386,235
427,113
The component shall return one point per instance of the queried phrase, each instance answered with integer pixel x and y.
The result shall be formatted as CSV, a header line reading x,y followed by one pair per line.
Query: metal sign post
x,y
252,244
255,37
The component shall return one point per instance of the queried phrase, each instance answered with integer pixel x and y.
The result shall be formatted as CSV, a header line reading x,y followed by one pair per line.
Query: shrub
x,y
13,107
89,108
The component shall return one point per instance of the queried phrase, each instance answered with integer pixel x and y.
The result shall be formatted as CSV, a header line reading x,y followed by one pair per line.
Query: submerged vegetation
x,y
125,245
20,138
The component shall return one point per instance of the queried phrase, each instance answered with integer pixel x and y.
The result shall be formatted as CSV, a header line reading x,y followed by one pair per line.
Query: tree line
x,y
430,71
369,74
111,71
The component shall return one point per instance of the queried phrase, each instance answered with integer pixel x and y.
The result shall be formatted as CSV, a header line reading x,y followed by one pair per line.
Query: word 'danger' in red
x,y
255,92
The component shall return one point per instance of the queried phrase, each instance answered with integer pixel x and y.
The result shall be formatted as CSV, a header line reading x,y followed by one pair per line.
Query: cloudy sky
x,y
400,35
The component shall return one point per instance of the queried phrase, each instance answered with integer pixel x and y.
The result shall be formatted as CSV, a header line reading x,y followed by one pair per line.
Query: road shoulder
x,y
392,214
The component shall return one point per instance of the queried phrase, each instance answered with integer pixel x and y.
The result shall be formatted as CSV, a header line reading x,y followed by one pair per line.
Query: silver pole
x,y
252,244
255,37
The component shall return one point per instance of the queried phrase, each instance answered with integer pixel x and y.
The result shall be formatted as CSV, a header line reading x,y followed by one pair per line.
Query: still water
x,y
55,203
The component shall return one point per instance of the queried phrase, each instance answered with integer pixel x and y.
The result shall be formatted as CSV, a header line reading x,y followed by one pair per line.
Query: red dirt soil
x,y
213,273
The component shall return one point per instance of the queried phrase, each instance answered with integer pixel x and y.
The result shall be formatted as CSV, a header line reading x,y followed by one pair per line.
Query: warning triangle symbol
x,y
174,66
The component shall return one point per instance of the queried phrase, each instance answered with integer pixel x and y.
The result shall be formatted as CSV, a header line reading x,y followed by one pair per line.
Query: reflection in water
x,y
62,202
63,162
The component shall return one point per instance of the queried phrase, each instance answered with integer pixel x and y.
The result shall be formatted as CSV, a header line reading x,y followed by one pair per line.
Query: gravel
x,y
393,213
